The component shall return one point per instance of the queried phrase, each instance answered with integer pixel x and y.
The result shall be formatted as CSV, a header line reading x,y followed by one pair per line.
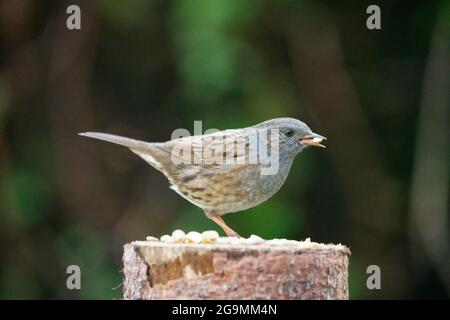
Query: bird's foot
x,y
232,233
229,232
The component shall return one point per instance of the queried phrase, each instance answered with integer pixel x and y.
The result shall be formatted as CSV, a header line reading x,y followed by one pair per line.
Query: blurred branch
x,y
332,103
429,188
331,100
24,70
22,67
81,185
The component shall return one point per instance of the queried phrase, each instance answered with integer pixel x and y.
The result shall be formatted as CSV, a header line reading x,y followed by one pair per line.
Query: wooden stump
x,y
155,270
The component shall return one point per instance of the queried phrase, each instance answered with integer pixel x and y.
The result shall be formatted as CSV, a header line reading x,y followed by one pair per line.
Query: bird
x,y
226,171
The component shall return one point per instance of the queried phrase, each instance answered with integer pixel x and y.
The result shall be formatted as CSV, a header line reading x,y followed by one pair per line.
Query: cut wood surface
x,y
156,270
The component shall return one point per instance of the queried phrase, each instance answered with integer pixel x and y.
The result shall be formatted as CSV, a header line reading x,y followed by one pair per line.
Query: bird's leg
x,y
218,219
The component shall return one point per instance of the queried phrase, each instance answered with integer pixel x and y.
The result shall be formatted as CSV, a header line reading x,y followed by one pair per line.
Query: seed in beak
x,y
317,140
313,140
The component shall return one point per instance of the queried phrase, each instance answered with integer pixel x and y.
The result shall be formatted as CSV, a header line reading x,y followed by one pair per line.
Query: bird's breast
x,y
231,189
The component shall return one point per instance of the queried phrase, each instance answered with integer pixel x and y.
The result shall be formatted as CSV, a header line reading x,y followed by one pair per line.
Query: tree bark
x,y
155,270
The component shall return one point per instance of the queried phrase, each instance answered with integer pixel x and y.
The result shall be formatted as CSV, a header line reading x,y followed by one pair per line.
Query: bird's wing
x,y
200,162
213,151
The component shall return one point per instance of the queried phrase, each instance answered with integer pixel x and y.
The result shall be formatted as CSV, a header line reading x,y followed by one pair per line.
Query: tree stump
x,y
156,270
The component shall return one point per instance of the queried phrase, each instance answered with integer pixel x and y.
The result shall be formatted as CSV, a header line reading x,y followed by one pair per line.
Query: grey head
x,y
294,134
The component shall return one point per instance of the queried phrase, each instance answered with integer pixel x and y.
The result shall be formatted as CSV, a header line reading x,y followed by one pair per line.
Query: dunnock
x,y
226,171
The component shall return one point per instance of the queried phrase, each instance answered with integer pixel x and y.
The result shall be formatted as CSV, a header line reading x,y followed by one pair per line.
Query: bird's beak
x,y
313,139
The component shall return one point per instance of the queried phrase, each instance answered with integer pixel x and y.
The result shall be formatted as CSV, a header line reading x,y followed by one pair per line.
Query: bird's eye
x,y
289,133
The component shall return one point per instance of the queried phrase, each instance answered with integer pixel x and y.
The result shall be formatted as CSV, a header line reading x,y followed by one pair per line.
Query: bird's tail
x,y
153,153
123,141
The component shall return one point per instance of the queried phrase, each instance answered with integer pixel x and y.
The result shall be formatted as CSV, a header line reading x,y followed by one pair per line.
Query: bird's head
x,y
294,135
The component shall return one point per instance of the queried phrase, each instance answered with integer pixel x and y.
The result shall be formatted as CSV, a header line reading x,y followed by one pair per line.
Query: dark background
x,y
144,68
